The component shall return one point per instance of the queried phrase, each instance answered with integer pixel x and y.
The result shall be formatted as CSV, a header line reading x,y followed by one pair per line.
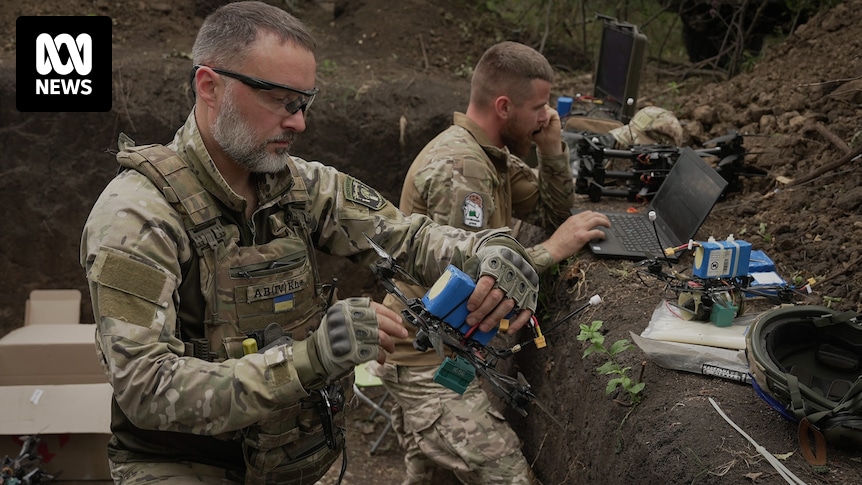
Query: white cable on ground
x,y
782,470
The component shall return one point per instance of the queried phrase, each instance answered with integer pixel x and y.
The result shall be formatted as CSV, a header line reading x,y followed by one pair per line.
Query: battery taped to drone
x,y
447,300
721,259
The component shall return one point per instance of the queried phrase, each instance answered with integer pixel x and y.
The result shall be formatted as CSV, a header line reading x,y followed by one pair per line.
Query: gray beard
x,y
236,138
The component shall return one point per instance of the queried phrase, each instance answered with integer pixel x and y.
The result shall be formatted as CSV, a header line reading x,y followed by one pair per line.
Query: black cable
x,y
522,345
343,462
567,318
331,292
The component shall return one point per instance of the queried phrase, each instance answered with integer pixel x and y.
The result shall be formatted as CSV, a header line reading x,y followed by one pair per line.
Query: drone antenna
x,y
652,217
594,300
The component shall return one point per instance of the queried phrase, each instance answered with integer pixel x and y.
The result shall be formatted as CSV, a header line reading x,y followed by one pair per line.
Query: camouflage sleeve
x,y
132,249
449,184
545,196
345,209
542,259
458,188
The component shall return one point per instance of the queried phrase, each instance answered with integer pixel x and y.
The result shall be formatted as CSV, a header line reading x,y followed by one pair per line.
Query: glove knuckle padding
x,y
348,335
339,338
513,273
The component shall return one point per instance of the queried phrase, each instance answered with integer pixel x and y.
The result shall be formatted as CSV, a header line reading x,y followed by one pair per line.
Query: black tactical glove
x,y
346,337
504,259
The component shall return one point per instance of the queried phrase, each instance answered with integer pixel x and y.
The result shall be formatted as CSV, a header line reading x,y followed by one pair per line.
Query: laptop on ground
x,y
682,203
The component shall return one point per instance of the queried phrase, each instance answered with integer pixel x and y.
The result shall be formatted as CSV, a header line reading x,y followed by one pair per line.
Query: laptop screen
x,y
613,65
687,195
621,55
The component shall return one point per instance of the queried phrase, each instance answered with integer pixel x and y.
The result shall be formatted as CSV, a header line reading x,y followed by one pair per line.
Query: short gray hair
x,y
227,34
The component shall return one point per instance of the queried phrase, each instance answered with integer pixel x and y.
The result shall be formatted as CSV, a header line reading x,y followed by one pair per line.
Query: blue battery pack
x,y
764,280
447,300
759,262
721,259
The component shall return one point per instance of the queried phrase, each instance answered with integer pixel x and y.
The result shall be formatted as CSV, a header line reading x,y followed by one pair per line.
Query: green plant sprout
x,y
591,334
763,234
548,288
829,300
797,278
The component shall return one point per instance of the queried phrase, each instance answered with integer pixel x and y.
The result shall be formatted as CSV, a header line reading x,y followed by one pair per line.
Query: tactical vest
x,y
245,290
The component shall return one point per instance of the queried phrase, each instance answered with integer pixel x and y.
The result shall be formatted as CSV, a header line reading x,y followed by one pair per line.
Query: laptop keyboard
x,y
636,233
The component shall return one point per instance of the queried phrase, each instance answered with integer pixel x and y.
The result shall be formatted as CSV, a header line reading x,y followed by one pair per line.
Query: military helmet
x,y
805,362
650,126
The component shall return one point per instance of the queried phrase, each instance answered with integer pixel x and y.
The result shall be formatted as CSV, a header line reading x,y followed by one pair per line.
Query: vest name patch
x,y
272,290
358,192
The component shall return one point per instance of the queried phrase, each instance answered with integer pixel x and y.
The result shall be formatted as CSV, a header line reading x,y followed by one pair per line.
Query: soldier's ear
x,y
503,106
208,85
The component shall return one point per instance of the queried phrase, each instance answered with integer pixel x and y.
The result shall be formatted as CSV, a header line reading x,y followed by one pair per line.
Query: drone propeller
x,y
732,136
380,251
390,262
728,160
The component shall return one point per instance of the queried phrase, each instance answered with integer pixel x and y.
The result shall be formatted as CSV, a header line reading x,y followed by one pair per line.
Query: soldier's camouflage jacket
x,y
461,179
153,304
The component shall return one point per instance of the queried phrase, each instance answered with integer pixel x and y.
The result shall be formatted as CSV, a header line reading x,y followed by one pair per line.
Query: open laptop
x,y
682,203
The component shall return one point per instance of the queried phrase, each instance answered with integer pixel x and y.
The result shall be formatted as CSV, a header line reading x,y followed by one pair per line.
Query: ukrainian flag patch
x,y
283,303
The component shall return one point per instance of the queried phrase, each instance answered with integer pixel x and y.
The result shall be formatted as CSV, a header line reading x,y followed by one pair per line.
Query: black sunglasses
x,y
300,103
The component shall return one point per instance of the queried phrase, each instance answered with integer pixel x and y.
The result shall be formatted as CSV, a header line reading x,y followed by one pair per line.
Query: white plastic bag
x,y
667,325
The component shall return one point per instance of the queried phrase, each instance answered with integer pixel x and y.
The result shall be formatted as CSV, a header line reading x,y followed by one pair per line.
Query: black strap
x,y
836,318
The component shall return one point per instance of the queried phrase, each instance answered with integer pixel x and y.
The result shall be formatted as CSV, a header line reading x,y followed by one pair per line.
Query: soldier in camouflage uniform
x,y
651,125
470,176
227,355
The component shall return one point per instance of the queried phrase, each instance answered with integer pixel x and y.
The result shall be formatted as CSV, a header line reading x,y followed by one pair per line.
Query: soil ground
x,y
391,74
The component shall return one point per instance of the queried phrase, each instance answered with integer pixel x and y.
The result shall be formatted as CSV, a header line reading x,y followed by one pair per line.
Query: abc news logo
x,y
63,64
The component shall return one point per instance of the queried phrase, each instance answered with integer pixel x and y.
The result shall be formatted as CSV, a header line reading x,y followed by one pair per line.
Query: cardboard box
x,y
53,306
49,354
52,386
71,420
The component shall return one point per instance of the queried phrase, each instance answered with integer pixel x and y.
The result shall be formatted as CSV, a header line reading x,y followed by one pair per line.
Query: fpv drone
x,y
439,319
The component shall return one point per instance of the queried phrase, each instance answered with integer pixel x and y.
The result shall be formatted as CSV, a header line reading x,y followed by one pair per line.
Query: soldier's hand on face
x,y
575,232
549,138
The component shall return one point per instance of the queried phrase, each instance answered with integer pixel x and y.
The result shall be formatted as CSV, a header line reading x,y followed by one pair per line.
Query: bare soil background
x,y
391,73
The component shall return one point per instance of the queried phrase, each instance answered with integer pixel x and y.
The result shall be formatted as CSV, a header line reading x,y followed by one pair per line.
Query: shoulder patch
x,y
356,191
474,214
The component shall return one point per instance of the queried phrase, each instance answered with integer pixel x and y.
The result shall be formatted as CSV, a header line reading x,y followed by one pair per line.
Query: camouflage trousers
x,y
461,433
179,473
